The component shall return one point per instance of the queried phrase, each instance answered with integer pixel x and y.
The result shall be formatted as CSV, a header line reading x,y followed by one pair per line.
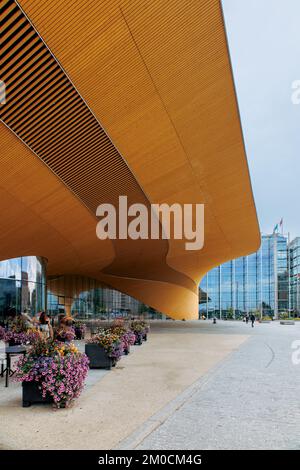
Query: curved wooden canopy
x,y
117,98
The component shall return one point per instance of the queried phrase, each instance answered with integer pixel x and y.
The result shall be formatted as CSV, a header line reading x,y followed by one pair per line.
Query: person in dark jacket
x,y
252,318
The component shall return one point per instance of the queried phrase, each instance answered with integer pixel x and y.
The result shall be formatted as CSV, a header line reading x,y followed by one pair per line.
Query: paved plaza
x,y
193,385
251,401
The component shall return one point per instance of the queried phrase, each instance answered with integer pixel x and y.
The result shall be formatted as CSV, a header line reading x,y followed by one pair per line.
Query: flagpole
x,y
289,275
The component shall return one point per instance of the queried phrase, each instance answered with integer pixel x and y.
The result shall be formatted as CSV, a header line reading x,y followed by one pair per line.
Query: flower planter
x,y
32,394
126,351
79,333
140,328
138,340
60,339
98,357
12,342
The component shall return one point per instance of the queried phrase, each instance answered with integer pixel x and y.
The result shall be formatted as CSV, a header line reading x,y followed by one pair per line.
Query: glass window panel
x,y
10,297
10,269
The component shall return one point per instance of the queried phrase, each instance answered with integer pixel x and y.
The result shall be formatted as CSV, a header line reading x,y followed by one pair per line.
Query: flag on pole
x,y
281,225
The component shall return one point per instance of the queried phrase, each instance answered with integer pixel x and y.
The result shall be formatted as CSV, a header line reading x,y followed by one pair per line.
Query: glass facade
x,y
84,298
22,285
256,283
294,249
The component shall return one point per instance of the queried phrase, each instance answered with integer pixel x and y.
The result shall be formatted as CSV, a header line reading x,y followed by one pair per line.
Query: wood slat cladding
x,y
47,113
39,215
157,76
45,110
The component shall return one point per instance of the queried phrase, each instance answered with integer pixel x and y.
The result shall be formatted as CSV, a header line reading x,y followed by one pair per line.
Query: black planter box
x,y
126,351
145,337
138,340
79,334
13,343
98,357
61,339
32,394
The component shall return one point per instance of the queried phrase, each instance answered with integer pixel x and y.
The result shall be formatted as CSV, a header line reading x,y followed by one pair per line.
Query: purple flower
x,y
61,377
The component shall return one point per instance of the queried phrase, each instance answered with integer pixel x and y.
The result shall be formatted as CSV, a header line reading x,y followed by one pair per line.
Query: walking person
x,y
252,318
247,319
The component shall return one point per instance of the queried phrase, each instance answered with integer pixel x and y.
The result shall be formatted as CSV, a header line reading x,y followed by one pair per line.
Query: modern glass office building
x,y
256,283
294,250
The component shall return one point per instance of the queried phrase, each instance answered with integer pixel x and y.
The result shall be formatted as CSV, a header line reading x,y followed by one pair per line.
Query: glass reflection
x,y
255,283
84,299
22,285
11,269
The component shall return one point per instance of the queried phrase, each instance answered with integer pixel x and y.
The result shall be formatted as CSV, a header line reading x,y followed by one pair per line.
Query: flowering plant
x,y
32,335
2,333
63,349
126,336
109,341
65,334
42,346
58,369
17,324
17,332
128,339
11,336
139,327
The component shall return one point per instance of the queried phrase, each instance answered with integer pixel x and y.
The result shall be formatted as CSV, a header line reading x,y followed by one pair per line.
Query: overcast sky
x,y
264,40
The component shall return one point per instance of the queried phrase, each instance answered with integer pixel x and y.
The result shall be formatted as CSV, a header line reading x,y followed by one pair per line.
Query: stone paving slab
x,y
250,402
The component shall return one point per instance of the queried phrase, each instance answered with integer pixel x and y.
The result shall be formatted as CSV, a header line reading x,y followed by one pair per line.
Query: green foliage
x,y
284,316
230,313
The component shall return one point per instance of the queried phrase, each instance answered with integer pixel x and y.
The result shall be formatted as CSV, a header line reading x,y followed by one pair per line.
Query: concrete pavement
x,y
116,403
250,402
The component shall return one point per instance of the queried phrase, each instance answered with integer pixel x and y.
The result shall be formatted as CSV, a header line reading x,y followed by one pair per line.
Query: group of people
x,y
246,319
251,318
43,322
63,324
